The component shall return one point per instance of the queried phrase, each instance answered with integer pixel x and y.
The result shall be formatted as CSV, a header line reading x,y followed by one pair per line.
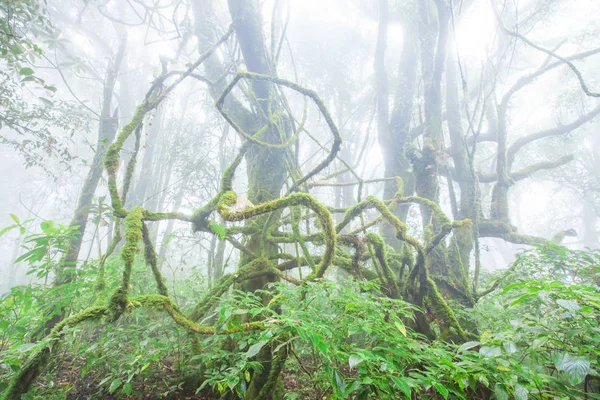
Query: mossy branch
x,y
133,235
337,139
152,261
379,246
155,95
228,199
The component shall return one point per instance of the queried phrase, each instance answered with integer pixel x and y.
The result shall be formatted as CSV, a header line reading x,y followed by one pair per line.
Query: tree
x,y
435,157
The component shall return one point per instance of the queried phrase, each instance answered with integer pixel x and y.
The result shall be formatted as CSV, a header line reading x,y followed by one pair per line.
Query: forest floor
x,y
76,386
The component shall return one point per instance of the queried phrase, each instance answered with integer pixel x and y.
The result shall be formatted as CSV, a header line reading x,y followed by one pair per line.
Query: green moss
x,y
444,313
386,271
112,157
152,261
100,284
226,199
296,199
133,235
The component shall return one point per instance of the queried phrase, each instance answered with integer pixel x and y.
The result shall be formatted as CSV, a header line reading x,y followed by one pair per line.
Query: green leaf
x,y
47,227
354,360
520,392
218,230
511,287
500,392
339,381
441,389
16,49
400,326
490,351
47,102
568,304
115,385
8,229
576,368
523,298
255,348
127,389
15,218
402,385
26,71
467,346
509,347
24,348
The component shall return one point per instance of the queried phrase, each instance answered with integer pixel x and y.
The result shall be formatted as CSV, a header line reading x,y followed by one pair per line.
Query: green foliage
x,y
218,230
42,250
547,316
538,336
24,26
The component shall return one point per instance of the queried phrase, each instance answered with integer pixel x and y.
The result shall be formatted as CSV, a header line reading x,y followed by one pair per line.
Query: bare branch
x,y
561,130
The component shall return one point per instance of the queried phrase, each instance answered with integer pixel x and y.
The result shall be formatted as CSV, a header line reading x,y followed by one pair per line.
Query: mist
x,y
219,177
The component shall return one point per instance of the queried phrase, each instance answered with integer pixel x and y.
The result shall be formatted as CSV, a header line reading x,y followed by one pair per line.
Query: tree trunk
x,y
266,166
107,130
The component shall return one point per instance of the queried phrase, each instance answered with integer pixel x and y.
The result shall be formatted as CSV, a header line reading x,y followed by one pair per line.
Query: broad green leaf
x,y
127,389
523,298
520,392
490,351
509,347
466,346
402,385
576,368
255,348
47,226
26,71
568,304
7,229
484,380
115,385
24,348
511,287
339,381
500,392
218,230
354,360
16,49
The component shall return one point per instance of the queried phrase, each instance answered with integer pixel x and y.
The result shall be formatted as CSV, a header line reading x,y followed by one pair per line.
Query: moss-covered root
x,y
451,328
133,235
22,381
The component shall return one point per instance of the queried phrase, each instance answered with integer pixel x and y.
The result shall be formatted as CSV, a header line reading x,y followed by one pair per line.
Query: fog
x,y
329,47
181,145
